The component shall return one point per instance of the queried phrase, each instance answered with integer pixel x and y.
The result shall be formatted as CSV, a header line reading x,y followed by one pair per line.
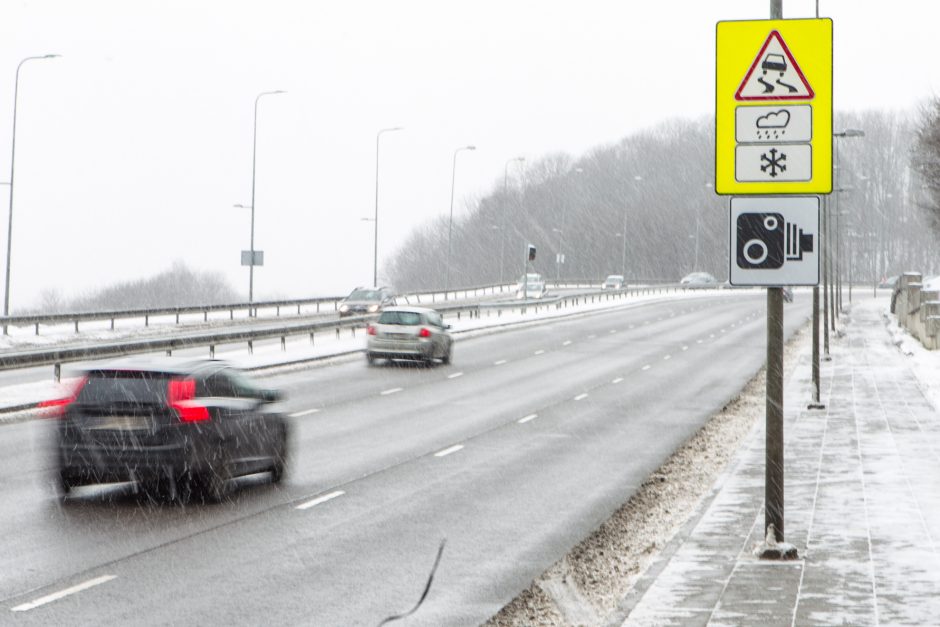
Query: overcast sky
x,y
133,147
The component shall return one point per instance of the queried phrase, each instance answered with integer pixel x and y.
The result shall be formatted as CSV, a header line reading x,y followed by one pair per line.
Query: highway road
x,y
515,452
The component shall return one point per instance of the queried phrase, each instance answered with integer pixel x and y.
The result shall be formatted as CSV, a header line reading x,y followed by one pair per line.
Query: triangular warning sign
x,y
774,75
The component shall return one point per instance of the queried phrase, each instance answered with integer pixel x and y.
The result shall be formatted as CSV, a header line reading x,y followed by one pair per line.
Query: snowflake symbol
x,y
774,162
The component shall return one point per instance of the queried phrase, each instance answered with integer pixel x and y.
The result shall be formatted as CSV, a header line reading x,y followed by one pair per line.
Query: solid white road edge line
x,y
320,499
526,419
448,451
455,375
298,414
391,391
55,596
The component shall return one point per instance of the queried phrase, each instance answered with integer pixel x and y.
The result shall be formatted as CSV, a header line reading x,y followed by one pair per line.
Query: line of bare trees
x,y
645,207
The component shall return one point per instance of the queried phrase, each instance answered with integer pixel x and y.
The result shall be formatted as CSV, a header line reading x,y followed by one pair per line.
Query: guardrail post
x,y
37,327
57,372
311,338
298,310
251,347
177,317
231,314
76,326
169,352
146,322
205,316
337,333
211,351
278,311
283,344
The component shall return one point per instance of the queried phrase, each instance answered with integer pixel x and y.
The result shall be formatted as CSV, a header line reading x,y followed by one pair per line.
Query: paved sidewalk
x,y
862,506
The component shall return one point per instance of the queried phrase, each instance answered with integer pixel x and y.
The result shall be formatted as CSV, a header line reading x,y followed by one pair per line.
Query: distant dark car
x,y
366,300
178,427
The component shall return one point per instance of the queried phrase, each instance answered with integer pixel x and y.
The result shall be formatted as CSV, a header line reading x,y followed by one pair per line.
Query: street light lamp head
x,y
51,56
851,132
470,147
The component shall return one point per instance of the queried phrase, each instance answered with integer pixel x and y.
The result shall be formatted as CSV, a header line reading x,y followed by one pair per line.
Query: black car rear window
x,y
400,317
365,295
124,386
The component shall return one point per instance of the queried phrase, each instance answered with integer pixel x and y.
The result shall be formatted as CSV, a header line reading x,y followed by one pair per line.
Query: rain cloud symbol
x,y
773,125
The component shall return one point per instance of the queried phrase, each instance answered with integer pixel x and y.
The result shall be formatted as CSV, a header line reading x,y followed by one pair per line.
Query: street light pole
x,y
254,152
16,89
375,239
450,224
502,235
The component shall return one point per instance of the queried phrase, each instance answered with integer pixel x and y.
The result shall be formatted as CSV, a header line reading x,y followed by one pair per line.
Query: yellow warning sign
x,y
773,107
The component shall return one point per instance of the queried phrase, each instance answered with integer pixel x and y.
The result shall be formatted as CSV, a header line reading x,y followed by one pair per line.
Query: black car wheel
x,y
280,458
446,358
370,358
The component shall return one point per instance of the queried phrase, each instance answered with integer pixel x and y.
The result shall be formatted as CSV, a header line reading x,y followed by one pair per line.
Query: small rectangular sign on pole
x,y
774,240
257,260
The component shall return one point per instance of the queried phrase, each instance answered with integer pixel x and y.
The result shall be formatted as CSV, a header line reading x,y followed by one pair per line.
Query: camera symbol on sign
x,y
766,241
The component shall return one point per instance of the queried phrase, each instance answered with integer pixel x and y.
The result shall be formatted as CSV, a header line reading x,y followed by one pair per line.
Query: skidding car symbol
x,y
774,62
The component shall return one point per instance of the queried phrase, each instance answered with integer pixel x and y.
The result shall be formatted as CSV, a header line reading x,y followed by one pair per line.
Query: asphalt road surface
x,y
515,452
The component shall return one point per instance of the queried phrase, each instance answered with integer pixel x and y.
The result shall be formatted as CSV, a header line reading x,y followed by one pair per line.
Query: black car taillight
x,y
55,408
180,396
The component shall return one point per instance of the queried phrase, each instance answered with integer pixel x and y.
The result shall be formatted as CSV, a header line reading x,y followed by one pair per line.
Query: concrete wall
x,y
918,310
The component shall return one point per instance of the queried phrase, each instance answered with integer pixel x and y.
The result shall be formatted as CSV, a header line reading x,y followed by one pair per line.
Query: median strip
x,y
448,451
55,596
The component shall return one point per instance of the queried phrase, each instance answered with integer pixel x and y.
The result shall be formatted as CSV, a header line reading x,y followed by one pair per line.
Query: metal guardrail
x,y
63,354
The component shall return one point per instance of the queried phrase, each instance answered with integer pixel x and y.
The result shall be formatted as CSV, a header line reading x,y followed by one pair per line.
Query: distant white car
x,y
613,282
531,286
699,279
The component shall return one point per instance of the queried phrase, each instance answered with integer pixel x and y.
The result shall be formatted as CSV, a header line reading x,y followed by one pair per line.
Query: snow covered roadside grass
x,y
586,586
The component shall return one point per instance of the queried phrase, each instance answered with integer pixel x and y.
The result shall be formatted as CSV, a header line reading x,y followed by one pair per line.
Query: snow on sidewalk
x,y
862,501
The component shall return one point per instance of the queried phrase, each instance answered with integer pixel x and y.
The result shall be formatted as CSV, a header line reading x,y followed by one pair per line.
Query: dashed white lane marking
x,y
499,363
698,341
455,375
712,336
632,326
526,419
307,412
61,594
685,348
613,330
448,451
580,397
667,357
566,343
646,367
539,352
321,499
391,391
617,380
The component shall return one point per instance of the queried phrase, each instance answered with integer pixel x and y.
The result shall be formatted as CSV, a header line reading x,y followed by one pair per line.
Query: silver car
x,y
416,333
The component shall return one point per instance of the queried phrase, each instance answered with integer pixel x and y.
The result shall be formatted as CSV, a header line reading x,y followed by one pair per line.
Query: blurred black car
x,y
366,300
178,427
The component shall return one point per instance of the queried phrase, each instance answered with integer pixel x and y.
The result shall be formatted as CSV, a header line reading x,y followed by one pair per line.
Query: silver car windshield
x,y
400,317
